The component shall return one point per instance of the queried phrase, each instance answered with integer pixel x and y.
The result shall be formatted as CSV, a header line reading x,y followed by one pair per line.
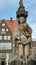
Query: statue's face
x,y
21,20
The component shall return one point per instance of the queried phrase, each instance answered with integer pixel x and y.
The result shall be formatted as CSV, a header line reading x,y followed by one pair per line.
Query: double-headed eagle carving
x,y
25,29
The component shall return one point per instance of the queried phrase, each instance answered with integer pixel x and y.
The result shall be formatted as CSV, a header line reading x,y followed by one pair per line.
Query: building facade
x,y
6,41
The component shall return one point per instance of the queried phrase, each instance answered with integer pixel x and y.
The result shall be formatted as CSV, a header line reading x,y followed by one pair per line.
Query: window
x,y
3,30
0,37
9,37
3,24
5,37
5,46
7,29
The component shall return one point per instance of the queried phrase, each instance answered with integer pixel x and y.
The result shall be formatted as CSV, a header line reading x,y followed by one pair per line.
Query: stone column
x,y
30,49
7,58
0,57
20,51
0,60
26,52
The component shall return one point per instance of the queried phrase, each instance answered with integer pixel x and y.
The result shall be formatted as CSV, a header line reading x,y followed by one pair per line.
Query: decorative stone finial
x,y
21,2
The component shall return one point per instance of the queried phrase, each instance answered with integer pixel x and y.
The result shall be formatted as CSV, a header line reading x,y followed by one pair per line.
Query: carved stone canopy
x,y
21,10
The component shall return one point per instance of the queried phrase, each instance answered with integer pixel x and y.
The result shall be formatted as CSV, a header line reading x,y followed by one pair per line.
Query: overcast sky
x,y
8,9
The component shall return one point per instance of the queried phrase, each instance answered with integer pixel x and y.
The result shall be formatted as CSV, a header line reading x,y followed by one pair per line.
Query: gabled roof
x,y
11,24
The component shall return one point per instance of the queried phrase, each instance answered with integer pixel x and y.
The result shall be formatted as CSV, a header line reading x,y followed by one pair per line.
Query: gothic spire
x,y
21,2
